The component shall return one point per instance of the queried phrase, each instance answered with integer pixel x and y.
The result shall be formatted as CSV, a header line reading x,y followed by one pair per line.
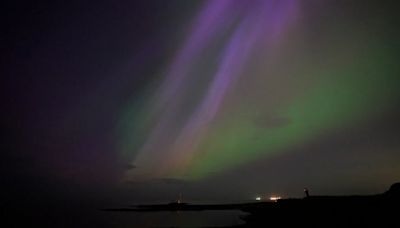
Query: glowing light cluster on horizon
x,y
274,198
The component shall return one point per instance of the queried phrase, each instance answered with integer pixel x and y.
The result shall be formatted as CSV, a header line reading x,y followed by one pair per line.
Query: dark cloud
x,y
173,181
130,166
271,121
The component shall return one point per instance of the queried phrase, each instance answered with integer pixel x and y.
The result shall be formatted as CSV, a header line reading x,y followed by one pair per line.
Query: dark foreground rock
x,y
330,211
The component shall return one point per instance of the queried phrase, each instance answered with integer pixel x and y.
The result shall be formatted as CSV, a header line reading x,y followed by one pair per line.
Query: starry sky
x,y
219,99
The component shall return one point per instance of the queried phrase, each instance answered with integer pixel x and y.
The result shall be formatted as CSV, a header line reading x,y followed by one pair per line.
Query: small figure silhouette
x,y
306,192
180,198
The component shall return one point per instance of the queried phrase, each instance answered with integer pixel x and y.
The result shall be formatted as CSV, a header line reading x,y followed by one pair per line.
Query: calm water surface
x,y
209,218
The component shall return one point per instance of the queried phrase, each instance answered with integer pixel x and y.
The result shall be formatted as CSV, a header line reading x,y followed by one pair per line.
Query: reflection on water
x,y
174,218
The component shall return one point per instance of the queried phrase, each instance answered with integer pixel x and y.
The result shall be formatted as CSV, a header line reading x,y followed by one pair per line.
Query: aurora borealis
x,y
144,99
245,84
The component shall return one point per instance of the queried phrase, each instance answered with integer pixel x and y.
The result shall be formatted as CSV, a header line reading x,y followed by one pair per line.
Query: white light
x,y
274,198
258,198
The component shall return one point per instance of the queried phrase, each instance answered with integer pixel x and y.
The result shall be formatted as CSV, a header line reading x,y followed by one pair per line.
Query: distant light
x,y
258,198
274,198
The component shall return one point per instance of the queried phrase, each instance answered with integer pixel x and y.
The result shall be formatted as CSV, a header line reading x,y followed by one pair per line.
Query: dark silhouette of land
x,y
381,210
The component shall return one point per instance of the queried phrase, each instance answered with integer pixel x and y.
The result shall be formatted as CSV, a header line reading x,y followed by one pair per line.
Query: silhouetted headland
x,y
379,210
311,211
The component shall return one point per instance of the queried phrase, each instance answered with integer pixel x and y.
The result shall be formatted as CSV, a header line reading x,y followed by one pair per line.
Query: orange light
x,y
274,198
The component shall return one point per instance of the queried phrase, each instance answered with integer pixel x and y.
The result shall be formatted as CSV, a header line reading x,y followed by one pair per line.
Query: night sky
x,y
220,100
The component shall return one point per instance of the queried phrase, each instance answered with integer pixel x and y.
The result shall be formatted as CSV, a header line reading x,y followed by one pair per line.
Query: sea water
x,y
207,218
